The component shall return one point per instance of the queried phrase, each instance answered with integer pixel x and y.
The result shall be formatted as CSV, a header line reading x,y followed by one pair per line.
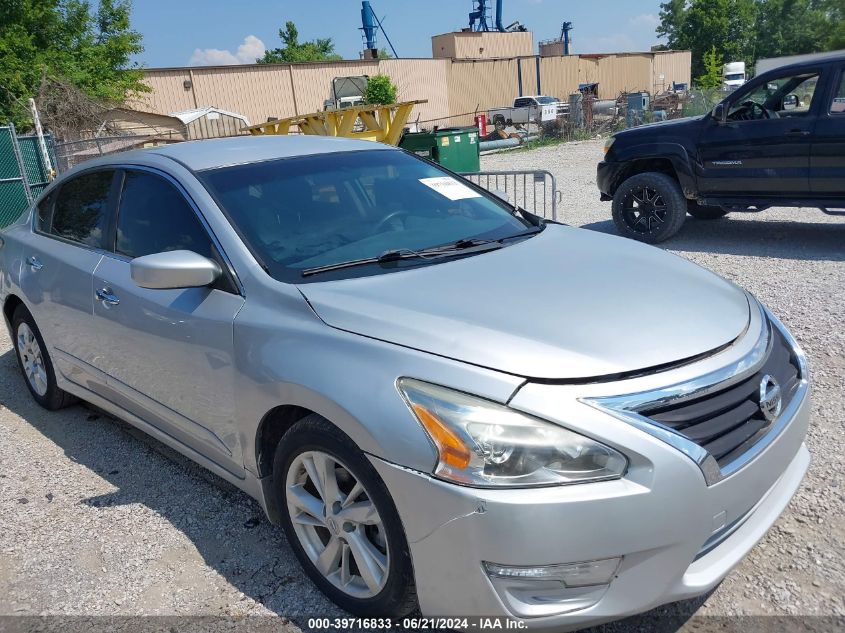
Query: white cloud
x,y
251,49
645,20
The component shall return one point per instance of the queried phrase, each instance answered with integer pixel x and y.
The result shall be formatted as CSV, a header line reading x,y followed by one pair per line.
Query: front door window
x,y
788,96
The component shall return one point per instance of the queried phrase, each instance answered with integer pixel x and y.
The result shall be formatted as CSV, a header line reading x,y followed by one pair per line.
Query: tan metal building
x,y
454,88
482,45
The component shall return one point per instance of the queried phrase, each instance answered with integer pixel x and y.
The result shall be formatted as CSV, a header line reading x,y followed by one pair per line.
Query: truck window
x,y
838,105
788,96
521,103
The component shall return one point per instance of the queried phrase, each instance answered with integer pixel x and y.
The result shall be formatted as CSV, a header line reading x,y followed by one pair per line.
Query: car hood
x,y
565,304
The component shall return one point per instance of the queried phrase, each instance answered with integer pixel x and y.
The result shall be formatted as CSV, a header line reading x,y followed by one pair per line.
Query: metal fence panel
x,y
36,170
13,195
535,191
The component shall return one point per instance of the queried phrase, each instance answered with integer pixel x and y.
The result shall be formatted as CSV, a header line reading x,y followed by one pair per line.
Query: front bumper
x,y
607,177
661,518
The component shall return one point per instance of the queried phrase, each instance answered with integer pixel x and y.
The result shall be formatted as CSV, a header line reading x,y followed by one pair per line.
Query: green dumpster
x,y
454,148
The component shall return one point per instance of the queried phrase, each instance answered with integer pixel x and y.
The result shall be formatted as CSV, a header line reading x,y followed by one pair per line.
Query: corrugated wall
x,y
559,76
675,67
616,74
452,87
479,86
529,75
421,79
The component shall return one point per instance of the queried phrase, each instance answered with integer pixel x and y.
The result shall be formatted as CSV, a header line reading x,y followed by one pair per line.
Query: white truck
x,y
733,75
529,109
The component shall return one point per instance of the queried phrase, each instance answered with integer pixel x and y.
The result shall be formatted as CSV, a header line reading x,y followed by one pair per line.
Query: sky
x,y
204,32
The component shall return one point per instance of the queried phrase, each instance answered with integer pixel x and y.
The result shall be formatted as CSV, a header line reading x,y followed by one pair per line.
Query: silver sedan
x,y
446,402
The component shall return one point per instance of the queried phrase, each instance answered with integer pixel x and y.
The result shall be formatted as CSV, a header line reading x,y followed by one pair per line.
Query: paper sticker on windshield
x,y
450,188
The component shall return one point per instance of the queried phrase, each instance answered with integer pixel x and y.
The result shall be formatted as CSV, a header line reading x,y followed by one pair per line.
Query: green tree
x,y
790,27
672,16
747,30
727,25
380,89
835,11
713,64
383,53
699,25
68,40
321,49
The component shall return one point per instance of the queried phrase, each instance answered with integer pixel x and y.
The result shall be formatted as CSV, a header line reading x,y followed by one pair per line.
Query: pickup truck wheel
x,y
649,207
341,522
499,121
701,212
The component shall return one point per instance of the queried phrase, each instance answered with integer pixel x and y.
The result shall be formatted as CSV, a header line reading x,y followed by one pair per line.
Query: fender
x,y
674,153
311,365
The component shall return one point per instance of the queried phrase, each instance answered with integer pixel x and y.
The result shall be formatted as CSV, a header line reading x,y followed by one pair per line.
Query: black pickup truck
x,y
779,140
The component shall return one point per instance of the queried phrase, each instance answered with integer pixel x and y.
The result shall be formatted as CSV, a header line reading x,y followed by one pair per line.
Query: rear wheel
x,y
649,207
341,521
701,212
35,363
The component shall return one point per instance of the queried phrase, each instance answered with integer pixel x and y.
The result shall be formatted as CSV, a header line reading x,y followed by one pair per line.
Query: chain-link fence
x,y
23,173
71,153
588,117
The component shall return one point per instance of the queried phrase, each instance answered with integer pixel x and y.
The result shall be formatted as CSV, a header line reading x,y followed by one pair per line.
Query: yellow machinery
x,y
381,123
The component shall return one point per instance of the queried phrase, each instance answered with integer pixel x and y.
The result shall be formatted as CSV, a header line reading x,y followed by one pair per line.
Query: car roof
x,y
238,150
818,59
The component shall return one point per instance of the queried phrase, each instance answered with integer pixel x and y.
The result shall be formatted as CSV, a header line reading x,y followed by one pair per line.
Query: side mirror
x,y
720,113
502,195
174,269
790,102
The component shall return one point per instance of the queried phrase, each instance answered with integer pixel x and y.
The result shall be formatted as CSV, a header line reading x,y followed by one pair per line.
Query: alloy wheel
x,y
32,359
337,524
644,210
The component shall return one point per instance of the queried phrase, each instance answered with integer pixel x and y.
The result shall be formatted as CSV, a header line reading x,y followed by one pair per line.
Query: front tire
x,y
341,522
35,363
649,207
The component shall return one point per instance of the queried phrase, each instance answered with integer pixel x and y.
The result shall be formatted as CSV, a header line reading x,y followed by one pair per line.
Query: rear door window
x,y
81,210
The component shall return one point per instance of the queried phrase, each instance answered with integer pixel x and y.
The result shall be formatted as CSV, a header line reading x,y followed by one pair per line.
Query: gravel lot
x,y
98,519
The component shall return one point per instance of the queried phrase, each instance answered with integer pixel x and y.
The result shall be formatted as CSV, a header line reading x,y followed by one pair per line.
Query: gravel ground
x,y
97,519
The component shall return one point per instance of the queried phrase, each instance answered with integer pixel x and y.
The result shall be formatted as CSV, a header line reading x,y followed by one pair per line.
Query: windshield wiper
x,y
527,233
399,254
474,241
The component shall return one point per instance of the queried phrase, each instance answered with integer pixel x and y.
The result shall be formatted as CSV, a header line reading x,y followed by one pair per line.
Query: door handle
x,y
35,263
798,133
105,295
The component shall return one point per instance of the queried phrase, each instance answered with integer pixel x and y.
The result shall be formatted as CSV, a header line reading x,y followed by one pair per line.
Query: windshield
x,y
546,100
313,211
735,77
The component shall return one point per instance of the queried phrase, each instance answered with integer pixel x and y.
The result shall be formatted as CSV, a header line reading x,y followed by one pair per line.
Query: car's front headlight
x,y
481,443
608,144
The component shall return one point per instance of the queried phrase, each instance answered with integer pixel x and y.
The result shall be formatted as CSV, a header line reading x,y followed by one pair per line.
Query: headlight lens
x,y
481,443
608,144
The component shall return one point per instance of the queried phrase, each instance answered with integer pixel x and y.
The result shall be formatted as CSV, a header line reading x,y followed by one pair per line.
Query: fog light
x,y
589,574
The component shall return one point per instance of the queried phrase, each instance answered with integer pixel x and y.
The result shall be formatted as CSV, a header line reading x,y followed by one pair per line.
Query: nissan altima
x,y
447,403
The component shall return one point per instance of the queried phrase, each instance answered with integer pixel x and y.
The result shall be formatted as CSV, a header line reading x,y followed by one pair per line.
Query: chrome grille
x,y
728,422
